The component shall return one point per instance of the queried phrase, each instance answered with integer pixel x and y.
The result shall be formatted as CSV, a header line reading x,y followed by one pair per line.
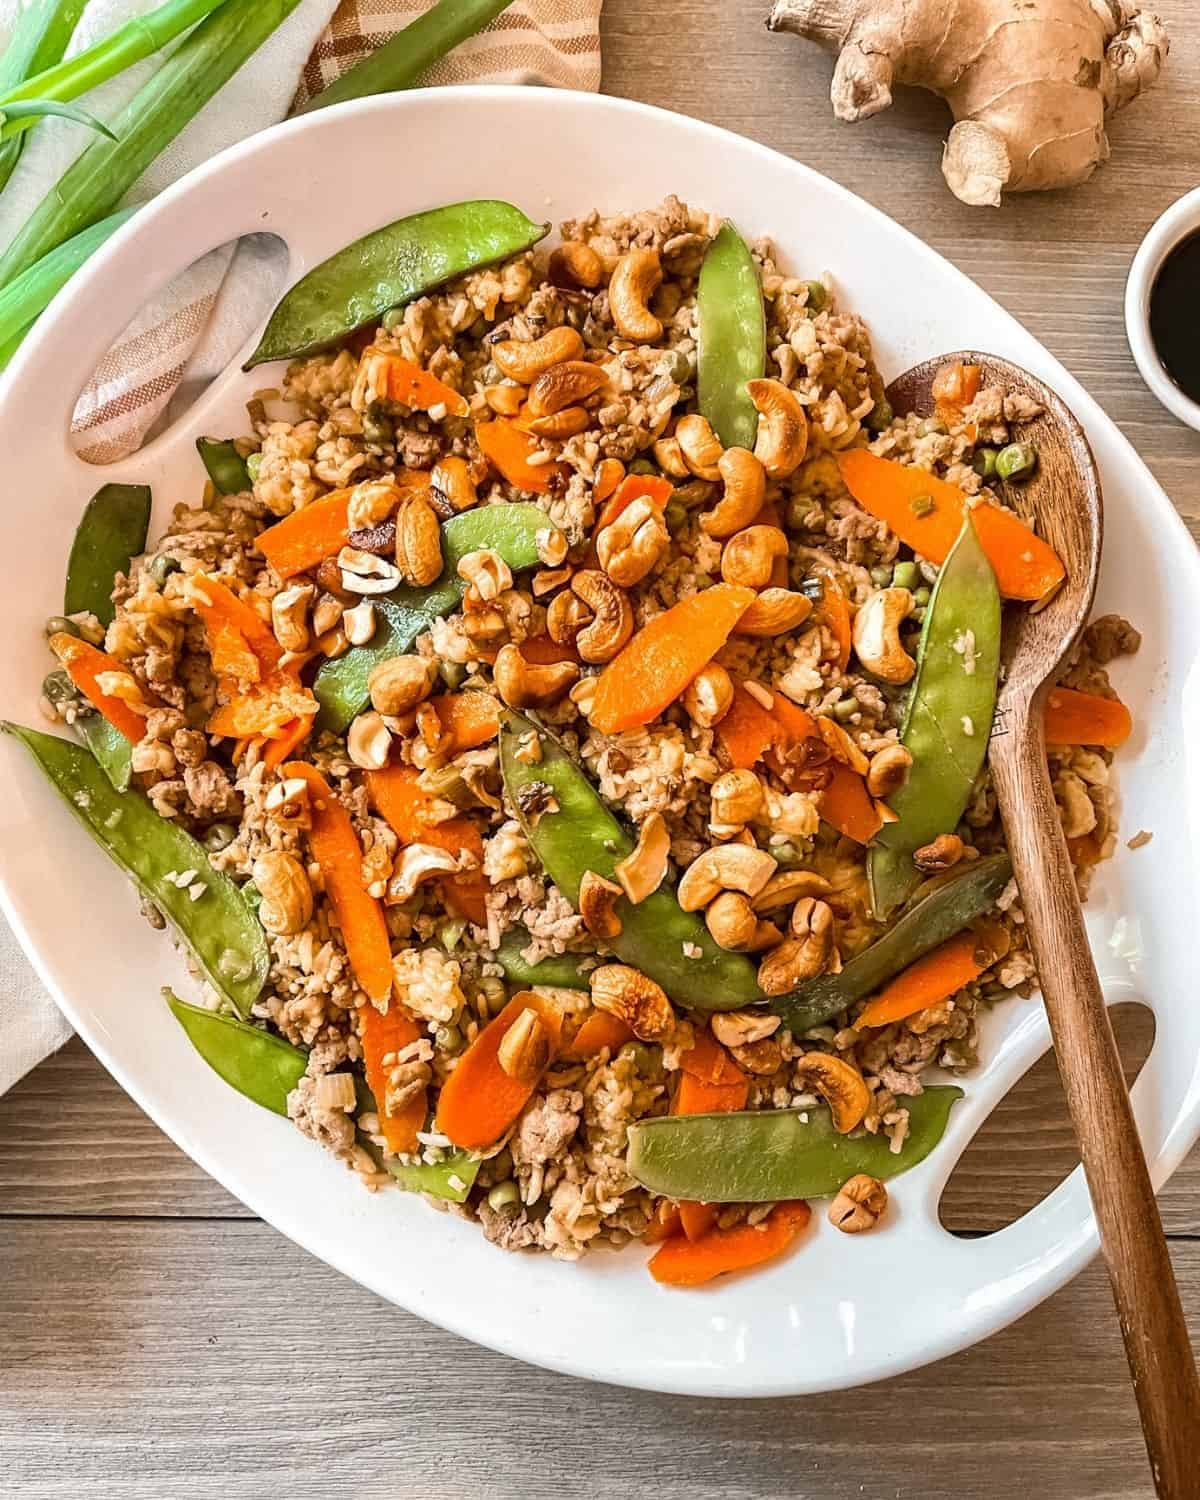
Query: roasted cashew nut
x,y
745,490
775,612
699,446
611,625
631,545
731,922
840,1084
635,279
524,360
877,635
451,478
525,684
749,556
782,438
709,695
565,385
727,867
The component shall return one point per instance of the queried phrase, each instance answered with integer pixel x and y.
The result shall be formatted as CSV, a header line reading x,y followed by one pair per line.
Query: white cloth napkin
x,y
188,332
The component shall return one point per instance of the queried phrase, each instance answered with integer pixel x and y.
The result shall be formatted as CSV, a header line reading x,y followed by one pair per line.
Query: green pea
x,y
491,987
921,505
985,462
452,673
60,625
253,464
905,575
393,318
881,577
448,1038
922,596
881,416
845,708
449,933
58,689
675,516
219,836
162,567
505,1195
377,428
642,466
1017,461
818,296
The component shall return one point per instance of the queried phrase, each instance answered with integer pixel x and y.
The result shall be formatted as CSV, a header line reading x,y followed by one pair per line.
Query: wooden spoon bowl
x,y
1063,496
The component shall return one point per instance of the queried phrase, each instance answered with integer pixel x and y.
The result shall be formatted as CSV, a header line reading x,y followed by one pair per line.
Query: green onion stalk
x,y
94,184
398,64
39,38
112,54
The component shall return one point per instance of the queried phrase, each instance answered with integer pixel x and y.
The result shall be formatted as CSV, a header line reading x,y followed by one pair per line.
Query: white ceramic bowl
x,y
1168,230
835,1312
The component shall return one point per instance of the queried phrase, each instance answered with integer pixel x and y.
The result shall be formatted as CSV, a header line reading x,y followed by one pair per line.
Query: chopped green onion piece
x,y
921,505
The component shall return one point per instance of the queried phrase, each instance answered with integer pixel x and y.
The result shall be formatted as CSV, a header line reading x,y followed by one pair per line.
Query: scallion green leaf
x,y
18,117
39,38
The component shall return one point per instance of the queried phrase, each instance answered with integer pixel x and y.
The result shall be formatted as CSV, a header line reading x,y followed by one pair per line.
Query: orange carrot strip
x,y
848,806
747,731
834,613
695,1097
682,1262
405,806
545,651
1074,718
84,664
664,1224
304,538
696,1219
663,657
652,487
1026,567
507,449
600,1030
479,1101
222,611
708,1062
956,385
336,849
267,708
473,718
415,387
797,723
937,976
278,750
382,1036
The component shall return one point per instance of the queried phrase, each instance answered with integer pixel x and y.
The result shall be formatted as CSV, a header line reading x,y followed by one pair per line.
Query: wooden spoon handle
x,y
1131,1234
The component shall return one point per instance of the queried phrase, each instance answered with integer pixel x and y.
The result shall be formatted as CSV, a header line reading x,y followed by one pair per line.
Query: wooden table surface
x,y
156,1341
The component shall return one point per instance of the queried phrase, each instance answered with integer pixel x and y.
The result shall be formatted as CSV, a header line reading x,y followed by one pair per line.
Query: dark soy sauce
x,y
1175,315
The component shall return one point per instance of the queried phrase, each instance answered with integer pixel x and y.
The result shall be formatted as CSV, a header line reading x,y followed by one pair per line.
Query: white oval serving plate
x,y
835,1312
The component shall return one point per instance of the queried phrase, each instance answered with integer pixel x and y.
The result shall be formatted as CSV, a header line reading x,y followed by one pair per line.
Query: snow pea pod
x,y
933,916
404,614
577,833
110,747
767,1155
562,970
111,531
225,465
389,267
218,925
451,1178
733,337
948,718
260,1065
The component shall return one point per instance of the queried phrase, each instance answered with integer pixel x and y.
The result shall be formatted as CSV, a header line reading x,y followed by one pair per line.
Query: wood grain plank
x,y
221,1361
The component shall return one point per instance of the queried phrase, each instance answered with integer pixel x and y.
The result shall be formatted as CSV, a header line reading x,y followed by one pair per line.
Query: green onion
x,y
28,294
39,38
18,117
109,56
399,63
97,180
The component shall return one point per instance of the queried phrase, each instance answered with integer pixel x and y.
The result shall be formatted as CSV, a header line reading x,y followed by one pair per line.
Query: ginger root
x,y
1029,82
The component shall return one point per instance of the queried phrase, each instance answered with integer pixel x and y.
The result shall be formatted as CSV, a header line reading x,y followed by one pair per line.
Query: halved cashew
x,y
415,864
788,887
748,557
287,899
370,504
526,359
289,616
745,490
487,573
635,998
841,746
775,612
888,770
451,478
732,924
524,1051
860,1204
567,423
728,867
737,798
782,438
877,635
808,952
630,546
526,684
668,455
634,280
564,385
699,447
576,264
739,1028
641,872
611,624
840,1084
566,616
369,741
709,695
597,905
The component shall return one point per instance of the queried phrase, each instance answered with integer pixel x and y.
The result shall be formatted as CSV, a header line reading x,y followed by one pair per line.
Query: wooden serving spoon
x,y
1064,494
